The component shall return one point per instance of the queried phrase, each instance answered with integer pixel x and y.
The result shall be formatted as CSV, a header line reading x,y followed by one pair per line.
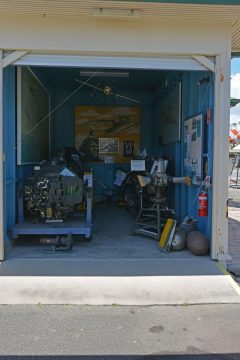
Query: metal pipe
x,y
182,180
1,161
178,180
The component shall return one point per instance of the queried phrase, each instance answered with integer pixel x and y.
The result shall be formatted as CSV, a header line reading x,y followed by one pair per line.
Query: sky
x,y
235,89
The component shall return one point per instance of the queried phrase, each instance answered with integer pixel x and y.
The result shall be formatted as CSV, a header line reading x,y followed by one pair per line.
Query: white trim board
x,y
164,62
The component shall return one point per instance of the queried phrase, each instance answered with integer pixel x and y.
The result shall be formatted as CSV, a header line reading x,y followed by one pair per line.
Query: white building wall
x,y
111,36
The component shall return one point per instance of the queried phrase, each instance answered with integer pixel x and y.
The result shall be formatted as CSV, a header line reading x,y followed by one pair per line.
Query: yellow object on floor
x,y
167,235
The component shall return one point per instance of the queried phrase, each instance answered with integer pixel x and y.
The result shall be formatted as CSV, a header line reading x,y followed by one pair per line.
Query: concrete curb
x,y
150,290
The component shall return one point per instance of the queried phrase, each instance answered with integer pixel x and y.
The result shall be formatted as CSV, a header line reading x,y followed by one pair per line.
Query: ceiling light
x,y
108,12
105,74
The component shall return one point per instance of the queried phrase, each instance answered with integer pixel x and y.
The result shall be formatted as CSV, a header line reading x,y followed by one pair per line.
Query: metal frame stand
x,y
78,224
149,221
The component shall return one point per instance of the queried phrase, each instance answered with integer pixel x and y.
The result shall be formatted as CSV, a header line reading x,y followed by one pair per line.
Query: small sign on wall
x,y
108,145
193,147
128,148
137,165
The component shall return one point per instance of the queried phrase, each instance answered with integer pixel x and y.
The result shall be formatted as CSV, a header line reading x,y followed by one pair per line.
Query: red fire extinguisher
x,y
203,204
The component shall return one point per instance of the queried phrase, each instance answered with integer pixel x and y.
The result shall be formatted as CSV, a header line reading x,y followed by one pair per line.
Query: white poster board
x,y
193,147
33,120
138,165
170,115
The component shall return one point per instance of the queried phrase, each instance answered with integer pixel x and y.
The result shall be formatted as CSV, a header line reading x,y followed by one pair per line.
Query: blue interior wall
x,y
172,151
24,170
63,129
63,118
195,100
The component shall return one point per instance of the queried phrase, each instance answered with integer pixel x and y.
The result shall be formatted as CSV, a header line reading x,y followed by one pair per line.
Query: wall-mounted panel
x,y
170,108
33,119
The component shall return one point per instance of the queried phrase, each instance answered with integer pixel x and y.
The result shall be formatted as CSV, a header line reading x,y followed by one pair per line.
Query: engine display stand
x,y
150,222
79,223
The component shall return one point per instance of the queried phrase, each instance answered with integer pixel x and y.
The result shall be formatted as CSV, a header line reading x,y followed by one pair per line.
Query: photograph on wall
x,y
170,108
101,131
193,145
108,145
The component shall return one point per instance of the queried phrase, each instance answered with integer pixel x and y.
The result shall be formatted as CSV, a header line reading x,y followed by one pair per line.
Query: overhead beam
x,y
205,62
1,160
14,56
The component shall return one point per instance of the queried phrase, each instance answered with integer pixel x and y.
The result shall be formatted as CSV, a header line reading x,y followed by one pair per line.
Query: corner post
x,y
219,247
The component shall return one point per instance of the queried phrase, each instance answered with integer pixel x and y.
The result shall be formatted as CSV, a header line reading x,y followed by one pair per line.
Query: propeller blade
x,y
126,98
102,90
92,86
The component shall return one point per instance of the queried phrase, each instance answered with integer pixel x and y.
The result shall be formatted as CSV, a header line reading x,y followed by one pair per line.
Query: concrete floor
x,y
111,239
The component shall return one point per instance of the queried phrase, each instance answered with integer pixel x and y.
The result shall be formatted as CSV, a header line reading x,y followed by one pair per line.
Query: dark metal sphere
x,y
197,243
179,240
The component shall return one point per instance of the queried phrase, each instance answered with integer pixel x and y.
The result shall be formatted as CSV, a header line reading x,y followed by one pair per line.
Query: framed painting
x,y
107,130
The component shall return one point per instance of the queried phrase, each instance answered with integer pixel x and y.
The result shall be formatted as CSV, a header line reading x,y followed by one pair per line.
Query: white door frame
x,y
219,244
161,62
